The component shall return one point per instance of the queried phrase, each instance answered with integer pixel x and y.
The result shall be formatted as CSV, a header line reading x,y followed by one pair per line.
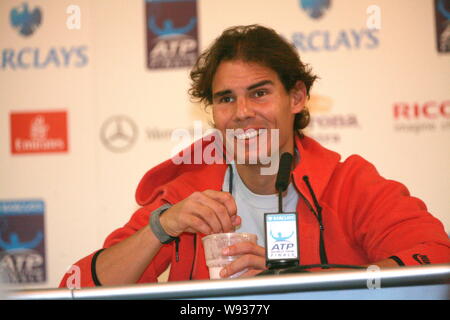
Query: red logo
x,y
427,110
38,132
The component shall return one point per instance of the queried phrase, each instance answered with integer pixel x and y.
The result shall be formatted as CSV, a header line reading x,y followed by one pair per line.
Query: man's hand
x,y
206,212
253,258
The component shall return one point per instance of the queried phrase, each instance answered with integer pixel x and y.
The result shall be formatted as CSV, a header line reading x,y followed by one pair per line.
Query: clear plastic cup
x,y
214,245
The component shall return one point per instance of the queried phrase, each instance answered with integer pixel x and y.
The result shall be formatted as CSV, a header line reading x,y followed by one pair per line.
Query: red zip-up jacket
x,y
366,218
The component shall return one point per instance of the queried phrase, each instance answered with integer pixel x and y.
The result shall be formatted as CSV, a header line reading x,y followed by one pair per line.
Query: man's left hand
x,y
252,257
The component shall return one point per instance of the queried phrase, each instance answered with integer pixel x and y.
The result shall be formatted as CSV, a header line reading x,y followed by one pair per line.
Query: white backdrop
x,y
88,190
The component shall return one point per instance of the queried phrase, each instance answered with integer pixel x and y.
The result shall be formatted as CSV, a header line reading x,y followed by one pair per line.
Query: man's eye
x,y
226,99
259,93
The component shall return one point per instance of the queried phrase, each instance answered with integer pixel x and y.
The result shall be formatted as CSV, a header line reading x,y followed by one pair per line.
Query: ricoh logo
x,y
426,110
420,117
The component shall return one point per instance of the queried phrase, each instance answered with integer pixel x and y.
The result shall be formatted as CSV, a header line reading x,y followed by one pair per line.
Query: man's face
x,y
251,96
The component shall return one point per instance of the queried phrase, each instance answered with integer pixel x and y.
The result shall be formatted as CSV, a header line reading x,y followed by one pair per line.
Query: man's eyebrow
x,y
259,84
221,93
251,87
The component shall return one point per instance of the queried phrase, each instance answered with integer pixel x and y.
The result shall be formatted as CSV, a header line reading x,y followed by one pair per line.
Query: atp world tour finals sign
x,y
172,37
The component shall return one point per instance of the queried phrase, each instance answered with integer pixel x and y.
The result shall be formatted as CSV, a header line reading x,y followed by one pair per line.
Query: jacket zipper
x,y
195,254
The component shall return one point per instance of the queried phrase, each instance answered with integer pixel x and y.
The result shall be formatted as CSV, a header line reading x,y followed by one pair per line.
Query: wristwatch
x,y
156,227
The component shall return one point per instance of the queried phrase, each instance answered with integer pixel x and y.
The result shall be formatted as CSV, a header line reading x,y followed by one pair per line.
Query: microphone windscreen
x,y
284,171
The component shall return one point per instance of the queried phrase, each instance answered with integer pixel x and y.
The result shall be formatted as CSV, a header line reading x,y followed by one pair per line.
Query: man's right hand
x,y
206,212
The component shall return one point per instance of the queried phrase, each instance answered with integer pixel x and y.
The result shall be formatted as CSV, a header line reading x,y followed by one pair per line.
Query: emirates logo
x,y
38,132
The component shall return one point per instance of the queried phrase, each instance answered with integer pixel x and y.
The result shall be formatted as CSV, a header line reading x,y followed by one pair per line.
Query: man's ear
x,y
298,97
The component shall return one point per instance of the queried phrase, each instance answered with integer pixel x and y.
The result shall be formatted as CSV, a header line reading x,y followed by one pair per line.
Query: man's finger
x,y
225,198
220,212
248,261
245,247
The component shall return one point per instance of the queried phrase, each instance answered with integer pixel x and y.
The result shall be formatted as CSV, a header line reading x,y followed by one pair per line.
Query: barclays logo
x,y
335,40
37,58
26,21
315,8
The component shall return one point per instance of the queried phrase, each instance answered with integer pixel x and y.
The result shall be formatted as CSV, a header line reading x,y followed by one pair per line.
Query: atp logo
x,y
22,241
26,21
281,243
14,242
172,37
315,8
442,13
280,237
168,28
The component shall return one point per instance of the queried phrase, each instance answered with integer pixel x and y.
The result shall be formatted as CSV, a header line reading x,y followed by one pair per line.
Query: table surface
x,y
418,282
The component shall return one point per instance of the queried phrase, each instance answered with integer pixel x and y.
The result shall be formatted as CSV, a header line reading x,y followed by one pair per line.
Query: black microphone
x,y
280,228
284,172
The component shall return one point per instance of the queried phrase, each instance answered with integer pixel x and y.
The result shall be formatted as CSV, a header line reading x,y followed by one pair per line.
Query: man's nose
x,y
244,109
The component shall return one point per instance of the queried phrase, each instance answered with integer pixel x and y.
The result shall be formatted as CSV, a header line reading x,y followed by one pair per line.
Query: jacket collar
x,y
316,162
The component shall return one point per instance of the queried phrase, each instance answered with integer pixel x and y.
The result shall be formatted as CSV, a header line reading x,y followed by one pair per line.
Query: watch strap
x,y
156,227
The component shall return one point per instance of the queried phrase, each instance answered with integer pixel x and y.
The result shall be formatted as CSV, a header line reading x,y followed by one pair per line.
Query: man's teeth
x,y
247,135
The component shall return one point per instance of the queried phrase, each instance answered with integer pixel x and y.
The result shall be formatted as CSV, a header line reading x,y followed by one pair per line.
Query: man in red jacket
x,y
347,213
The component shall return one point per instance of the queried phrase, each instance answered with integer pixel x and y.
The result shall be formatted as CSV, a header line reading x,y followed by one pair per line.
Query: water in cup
x,y
214,245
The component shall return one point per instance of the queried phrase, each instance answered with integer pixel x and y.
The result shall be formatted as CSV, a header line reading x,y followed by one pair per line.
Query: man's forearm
x,y
124,262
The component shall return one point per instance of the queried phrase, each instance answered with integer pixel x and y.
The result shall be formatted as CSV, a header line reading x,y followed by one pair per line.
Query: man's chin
x,y
258,158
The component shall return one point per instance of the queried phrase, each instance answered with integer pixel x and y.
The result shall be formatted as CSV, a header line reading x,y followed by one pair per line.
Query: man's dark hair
x,y
253,43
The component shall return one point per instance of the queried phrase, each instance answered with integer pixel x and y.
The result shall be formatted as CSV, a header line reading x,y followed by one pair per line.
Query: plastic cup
x,y
214,245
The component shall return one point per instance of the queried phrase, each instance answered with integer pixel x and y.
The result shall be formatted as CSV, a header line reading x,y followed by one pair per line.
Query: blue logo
x,y
280,237
315,8
22,241
442,15
172,37
442,10
24,20
335,40
168,29
14,242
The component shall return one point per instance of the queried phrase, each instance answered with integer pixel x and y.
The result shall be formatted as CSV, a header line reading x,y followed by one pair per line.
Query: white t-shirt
x,y
251,206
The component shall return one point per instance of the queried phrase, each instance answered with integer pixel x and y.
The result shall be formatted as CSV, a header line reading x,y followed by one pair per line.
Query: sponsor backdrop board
x,y
91,91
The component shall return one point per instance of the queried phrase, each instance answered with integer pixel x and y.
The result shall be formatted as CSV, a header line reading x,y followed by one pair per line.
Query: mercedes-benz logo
x,y
118,133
